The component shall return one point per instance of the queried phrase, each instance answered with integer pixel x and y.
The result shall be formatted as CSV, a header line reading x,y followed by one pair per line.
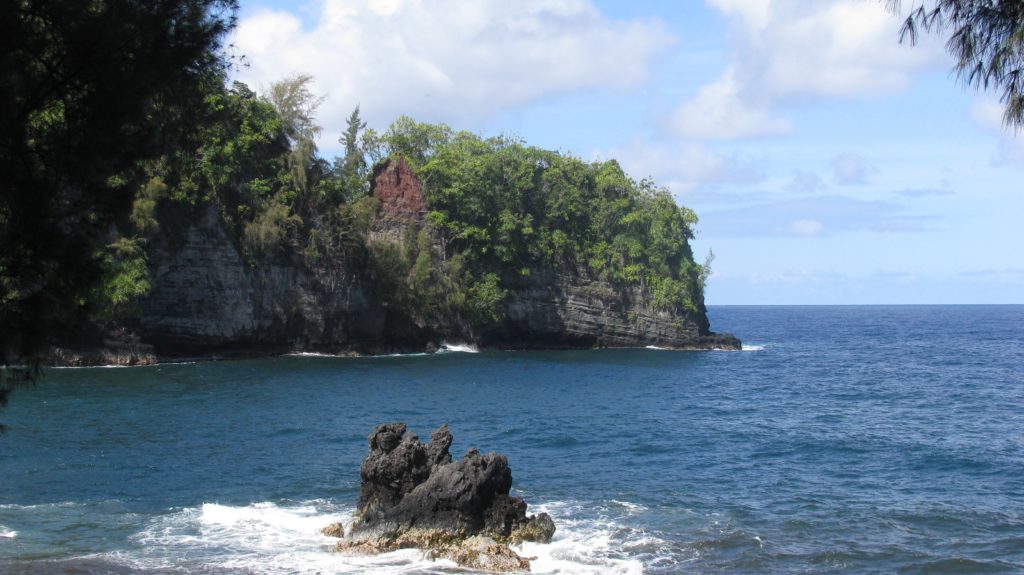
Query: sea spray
x,y
447,347
270,539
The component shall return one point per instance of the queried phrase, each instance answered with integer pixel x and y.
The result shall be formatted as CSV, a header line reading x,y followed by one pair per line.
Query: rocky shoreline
x,y
414,496
116,353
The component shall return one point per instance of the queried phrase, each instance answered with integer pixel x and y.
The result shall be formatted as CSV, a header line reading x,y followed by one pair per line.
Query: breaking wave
x,y
271,539
458,348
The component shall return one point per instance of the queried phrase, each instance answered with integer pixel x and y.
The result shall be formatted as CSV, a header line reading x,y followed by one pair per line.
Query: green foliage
x,y
413,280
125,278
89,89
986,41
272,230
506,208
407,137
352,168
484,297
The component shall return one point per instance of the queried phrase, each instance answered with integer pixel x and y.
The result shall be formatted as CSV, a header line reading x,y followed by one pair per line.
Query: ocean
x,y
858,439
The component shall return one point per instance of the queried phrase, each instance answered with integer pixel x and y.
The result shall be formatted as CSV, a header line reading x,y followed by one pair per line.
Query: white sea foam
x,y
7,532
585,545
269,539
93,366
747,347
458,348
633,507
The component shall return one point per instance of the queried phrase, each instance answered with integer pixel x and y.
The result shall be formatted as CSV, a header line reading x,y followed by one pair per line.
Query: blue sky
x,y
828,163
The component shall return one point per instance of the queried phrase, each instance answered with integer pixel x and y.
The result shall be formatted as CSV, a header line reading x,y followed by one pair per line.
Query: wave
x,y
585,545
271,539
7,532
458,348
110,366
747,347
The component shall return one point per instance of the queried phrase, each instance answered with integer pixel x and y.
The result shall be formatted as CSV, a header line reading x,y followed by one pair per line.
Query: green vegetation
x,y
115,149
508,209
501,212
91,90
986,41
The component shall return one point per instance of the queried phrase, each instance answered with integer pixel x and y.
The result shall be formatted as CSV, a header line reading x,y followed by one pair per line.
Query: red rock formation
x,y
399,192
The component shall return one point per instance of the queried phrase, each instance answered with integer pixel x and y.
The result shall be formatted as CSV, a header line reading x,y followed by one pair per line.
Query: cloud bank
x,y
788,51
447,60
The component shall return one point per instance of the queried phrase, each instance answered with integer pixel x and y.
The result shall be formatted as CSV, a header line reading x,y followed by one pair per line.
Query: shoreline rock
x,y
415,496
143,354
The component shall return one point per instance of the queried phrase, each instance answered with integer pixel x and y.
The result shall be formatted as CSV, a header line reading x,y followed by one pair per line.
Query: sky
x,y
828,163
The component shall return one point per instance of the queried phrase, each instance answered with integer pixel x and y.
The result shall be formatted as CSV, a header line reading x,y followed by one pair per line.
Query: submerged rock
x,y
414,496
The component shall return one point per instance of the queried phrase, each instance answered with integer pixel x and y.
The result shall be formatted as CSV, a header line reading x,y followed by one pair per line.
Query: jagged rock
x,y
103,345
539,529
483,554
398,189
397,463
415,496
334,530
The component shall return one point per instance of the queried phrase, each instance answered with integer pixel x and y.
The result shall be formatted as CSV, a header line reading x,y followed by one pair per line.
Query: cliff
x,y
206,299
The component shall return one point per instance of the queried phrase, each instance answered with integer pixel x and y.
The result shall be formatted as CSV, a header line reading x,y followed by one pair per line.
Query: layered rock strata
x,y
415,496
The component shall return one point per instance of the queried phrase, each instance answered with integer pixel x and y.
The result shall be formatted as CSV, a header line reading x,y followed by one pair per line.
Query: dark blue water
x,y
844,440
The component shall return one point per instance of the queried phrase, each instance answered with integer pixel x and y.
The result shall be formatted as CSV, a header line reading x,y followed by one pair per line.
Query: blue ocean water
x,y
842,440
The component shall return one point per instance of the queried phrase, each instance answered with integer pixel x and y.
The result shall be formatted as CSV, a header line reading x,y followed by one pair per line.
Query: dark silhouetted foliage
x,y
89,88
986,37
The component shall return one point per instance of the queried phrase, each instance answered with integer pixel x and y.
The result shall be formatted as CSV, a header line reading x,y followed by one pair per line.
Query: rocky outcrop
x,y
399,191
414,496
103,345
553,310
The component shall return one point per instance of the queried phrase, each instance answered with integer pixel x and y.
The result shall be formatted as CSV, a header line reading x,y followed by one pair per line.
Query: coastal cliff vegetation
x,y
497,210
112,151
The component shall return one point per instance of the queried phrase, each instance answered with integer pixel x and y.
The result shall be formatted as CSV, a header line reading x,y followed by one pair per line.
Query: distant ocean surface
x,y
842,440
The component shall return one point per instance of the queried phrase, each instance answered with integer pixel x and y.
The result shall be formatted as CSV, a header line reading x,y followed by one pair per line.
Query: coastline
x,y
132,352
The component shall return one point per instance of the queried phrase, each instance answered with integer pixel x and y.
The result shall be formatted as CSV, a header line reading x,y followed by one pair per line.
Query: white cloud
x,y
786,51
805,182
987,112
686,167
719,112
444,60
851,170
807,227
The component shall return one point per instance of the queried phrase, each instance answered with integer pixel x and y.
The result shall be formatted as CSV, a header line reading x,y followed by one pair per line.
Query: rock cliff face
x,y
562,310
399,191
207,300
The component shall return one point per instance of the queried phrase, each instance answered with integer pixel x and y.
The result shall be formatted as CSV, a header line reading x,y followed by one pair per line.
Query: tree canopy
x,y
89,89
506,209
986,37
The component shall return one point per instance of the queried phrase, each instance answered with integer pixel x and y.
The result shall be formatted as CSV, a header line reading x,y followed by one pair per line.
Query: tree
x,y
354,159
986,39
89,88
296,105
352,168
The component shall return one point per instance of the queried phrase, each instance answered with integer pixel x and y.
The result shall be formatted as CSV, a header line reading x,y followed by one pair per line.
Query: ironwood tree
x,y
89,88
986,38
